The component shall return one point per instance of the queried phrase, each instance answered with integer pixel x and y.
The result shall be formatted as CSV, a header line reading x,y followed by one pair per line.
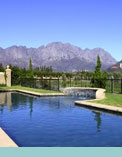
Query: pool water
x,y
57,122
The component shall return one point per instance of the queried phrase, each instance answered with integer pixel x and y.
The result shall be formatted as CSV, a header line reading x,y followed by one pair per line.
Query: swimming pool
x,y
57,122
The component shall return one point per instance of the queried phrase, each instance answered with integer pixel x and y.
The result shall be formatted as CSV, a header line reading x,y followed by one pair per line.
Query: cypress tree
x,y
30,72
99,77
97,73
30,65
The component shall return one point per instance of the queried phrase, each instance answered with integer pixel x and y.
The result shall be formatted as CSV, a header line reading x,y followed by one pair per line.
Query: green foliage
x,y
30,65
64,80
85,75
99,77
17,74
98,66
2,85
15,77
117,75
30,71
40,72
1,68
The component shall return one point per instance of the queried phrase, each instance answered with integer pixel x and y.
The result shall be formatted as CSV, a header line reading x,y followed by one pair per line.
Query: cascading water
x,y
87,93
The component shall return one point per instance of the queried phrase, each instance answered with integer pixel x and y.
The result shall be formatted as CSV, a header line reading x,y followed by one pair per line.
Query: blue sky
x,y
84,23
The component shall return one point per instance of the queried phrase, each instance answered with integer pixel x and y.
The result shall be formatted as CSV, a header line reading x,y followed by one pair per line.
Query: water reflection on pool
x,y
56,121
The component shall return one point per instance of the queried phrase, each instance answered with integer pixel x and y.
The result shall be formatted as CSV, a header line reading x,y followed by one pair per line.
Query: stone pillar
x,y
8,76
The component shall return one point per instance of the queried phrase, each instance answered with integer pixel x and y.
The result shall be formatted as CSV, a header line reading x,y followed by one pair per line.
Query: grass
x,y
111,99
29,89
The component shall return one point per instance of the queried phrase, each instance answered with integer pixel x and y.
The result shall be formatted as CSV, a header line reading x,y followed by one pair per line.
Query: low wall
x,y
2,78
5,77
95,93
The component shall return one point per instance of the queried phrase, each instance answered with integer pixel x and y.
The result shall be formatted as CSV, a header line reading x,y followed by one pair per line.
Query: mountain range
x,y
61,56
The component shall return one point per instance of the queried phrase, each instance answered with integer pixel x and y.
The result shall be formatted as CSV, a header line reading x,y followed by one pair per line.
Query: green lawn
x,y
111,99
30,89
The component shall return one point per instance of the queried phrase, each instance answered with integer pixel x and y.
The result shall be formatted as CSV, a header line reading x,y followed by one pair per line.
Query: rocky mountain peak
x,y
61,56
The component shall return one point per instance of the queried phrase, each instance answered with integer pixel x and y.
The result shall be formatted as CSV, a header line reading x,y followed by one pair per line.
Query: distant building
x,y
74,71
84,70
116,68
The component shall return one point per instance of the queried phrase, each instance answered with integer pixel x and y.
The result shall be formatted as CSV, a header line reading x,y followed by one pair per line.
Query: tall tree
x,y
30,65
99,77
98,68
30,71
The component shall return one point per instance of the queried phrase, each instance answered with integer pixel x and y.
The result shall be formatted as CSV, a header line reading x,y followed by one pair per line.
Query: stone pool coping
x,y
90,104
32,93
99,92
5,140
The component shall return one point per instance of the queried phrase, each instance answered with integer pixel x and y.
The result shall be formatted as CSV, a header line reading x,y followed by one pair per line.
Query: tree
x,y
15,75
98,67
64,80
99,77
1,68
30,65
30,71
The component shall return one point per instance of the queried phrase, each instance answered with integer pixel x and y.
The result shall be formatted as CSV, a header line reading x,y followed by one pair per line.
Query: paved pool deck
x,y
33,93
90,104
5,140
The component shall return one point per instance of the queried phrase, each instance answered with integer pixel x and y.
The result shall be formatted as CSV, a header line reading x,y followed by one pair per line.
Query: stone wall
x,y
94,93
2,78
6,74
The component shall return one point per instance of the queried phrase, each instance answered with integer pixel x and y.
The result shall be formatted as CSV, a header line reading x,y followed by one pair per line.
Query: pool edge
x,y
5,140
88,103
32,93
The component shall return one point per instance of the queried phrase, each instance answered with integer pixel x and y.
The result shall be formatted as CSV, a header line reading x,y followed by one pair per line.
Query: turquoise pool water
x,y
57,122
